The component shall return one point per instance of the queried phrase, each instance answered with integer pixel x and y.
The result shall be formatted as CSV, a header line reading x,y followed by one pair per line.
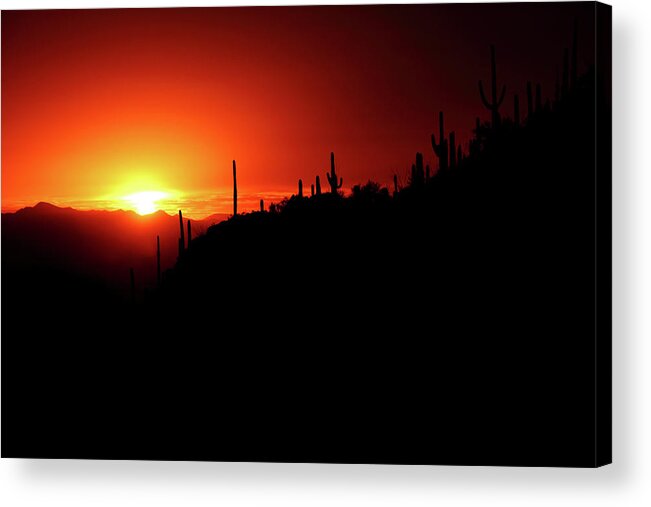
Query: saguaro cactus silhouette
x,y
494,105
300,189
312,190
189,233
318,185
332,176
261,205
158,261
234,189
182,237
441,148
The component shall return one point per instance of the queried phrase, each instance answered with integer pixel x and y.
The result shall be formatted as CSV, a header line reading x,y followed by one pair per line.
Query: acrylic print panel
x,y
352,234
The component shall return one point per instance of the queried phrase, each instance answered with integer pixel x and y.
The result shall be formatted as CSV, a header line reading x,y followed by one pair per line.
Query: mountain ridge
x,y
44,206
102,244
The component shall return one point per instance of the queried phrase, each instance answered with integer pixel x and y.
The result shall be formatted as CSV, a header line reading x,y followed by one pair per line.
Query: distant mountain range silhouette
x,y
98,243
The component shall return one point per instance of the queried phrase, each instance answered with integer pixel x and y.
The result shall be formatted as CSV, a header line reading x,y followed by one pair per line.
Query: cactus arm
x,y
438,148
483,96
341,183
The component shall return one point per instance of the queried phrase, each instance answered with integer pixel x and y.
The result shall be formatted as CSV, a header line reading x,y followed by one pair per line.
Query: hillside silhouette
x,y
434,321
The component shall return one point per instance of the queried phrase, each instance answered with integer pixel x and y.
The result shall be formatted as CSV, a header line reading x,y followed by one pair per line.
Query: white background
x,y
626,482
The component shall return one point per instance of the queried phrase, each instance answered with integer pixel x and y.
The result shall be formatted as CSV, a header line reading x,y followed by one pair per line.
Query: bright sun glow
x,y
144,203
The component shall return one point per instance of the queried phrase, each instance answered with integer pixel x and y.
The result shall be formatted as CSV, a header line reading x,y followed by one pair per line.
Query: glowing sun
x,y
144,203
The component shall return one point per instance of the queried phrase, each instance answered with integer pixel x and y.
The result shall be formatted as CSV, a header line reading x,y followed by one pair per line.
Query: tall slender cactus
x,y
441,148
300,188
189,232
261,205
494,105
318,185
234,189
182,235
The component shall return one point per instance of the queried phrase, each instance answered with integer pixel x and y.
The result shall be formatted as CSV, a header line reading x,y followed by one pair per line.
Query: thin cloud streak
x,y
196,206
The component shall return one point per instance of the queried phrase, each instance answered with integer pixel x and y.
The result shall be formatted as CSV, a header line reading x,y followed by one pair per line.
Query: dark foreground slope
x,y
451,323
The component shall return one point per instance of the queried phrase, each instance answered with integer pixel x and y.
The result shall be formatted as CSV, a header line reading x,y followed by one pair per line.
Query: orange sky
x,y
100,104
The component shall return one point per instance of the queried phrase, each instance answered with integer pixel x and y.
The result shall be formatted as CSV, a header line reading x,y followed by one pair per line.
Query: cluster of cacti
x,y
562,86
441,148
332,176
532,107
315,188
494,105
447,150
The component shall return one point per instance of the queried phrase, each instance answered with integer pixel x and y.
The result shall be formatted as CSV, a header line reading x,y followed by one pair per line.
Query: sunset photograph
x,y
332,234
